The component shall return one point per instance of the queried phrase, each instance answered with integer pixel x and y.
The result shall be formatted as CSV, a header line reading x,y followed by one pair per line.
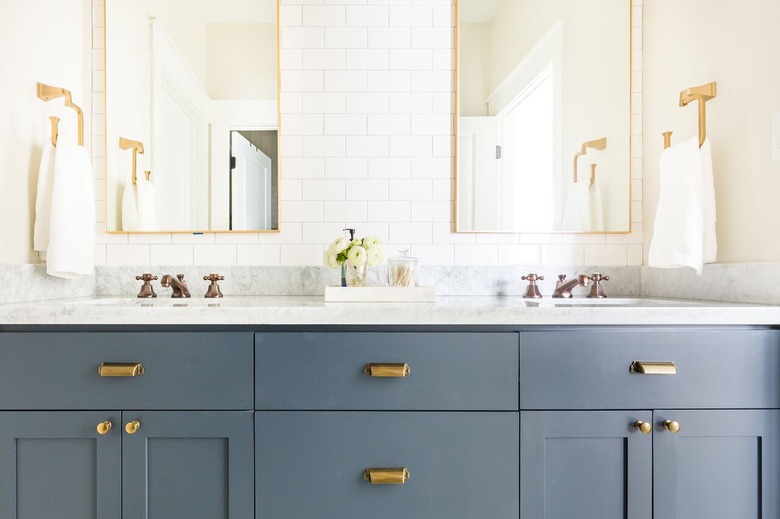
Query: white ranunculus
x,y
374,256
330,260
357,255
371,241
338,245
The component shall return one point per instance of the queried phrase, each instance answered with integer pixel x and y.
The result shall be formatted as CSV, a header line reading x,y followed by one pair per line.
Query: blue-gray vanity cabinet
x,y
325,371
590,369
56,464
191,456
182,370
194,465
720,465
310,465
593,464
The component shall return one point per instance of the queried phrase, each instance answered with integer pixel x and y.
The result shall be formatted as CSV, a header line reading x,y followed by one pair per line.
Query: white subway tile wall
x,y
367,103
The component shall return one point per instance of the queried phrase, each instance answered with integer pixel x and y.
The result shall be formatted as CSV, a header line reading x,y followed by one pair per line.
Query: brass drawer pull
x,y
386,370
118,369
386,476
104,427
653,368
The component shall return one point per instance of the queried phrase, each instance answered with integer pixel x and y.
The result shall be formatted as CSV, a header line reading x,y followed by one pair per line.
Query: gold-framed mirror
x,y
192,116
543,116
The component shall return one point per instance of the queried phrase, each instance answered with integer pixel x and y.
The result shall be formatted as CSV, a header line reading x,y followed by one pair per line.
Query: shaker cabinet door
x,y
196,465
595,465
718,465
57,464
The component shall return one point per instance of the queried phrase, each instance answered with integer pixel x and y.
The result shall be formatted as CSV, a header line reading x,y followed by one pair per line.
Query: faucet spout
x,y
178,285
563,288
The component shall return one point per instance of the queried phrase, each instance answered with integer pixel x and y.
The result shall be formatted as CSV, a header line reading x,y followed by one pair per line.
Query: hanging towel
x,y
72,225
708,204
43,199
146,214
577,217
130,208
596,208
678,236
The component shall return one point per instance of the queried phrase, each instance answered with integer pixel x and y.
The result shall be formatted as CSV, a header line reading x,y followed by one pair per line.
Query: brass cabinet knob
x,y
643,427
104,427
132,427
672,427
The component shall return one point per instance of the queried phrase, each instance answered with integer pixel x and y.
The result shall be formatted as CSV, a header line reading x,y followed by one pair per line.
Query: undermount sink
x,y
607,301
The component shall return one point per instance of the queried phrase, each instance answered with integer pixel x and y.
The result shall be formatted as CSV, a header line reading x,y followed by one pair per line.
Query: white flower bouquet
x,y
353,256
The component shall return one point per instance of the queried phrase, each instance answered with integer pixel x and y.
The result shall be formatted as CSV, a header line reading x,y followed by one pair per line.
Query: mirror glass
x,y
192,103
543,116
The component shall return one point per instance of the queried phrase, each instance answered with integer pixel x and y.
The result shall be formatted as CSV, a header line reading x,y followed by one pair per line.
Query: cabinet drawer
x,y
180,370
591,369
311,464
447,371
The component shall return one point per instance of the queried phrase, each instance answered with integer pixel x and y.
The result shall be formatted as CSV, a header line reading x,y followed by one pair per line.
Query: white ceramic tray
x,y
380,294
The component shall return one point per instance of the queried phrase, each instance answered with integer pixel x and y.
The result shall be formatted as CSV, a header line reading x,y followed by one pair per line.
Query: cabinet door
x,y
56,464
311,465
595,465
720,465
197,465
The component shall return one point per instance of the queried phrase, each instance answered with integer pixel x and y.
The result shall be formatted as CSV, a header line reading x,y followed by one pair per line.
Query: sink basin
x,y
608,301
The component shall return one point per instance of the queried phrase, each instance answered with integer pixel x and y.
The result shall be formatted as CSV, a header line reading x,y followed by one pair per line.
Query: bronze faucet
x,y
146,289
213,290
178,285
597,290
563,288
532,292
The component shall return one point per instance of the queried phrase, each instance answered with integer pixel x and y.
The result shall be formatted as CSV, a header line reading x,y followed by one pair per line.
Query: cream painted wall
x,y
57,52
242,61
473,87
736,44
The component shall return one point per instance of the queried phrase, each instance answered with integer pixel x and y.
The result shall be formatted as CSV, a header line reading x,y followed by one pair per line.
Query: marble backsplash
x,y
741,283
25,283
311,281
736,283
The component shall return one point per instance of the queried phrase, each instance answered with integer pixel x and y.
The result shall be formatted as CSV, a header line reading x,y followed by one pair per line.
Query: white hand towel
x,y
708,204
577,216
596,208
146,211
43,199
129,208
72,225
678,235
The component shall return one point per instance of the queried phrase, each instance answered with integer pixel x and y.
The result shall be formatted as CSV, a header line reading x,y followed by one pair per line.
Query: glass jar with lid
x,y
403,269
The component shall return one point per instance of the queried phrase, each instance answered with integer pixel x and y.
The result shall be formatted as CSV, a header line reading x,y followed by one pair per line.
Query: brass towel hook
x,y
598,144
48,92
137,147
702,94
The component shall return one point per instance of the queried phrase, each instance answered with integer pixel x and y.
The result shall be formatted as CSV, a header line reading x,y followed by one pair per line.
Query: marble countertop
x,y
310,310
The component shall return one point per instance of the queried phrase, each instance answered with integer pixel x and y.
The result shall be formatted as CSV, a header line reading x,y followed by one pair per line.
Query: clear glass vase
x,y
353,275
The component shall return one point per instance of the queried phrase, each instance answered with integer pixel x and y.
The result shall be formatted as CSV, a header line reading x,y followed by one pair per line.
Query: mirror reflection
x,y
191,92
544,92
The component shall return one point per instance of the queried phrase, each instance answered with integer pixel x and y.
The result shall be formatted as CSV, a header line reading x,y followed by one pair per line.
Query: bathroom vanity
x,y
462,420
